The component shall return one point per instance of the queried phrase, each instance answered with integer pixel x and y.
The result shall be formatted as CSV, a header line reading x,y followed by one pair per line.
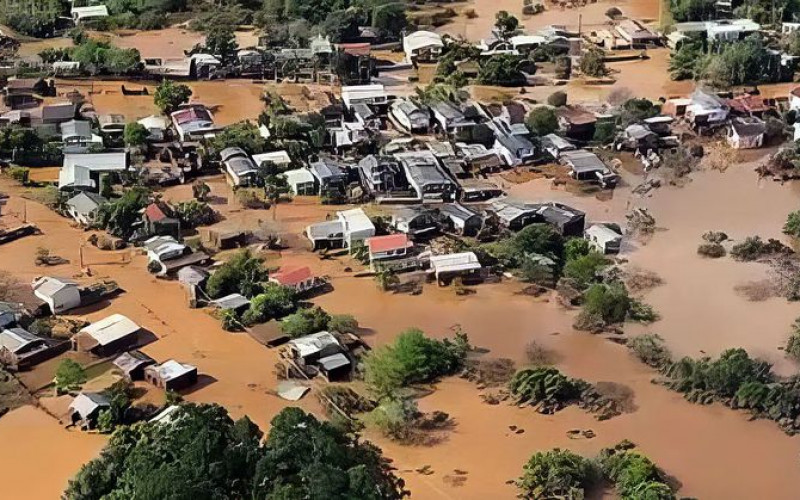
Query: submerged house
x,y
59,294
239,167
171,375
110,335
636,34
83,207
321,351
459,219
603,238
301,182
415,221
299,279
447,267
390,252
514,149
77,136
193,121
21,349
132,364
587,166
382,174
426,177
576,122
373,95
330,176
350,227
746,132
158,220
706,109
86,407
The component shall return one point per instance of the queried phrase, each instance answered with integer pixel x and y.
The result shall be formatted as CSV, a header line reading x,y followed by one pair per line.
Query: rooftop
x,y
378,244
292,276
111,329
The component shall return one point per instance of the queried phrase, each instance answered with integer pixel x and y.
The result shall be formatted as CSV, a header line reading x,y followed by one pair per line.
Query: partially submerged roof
x,y
299,176
575,115
378,244
86,202
333,362
583,161
49,286
748,127
171,370
291,276
111,329
420,40
129,361
278,157
455,262
16,339
316,343
87,403
232,301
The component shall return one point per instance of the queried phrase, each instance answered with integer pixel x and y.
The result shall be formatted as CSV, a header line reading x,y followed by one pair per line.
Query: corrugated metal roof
x,y
111,329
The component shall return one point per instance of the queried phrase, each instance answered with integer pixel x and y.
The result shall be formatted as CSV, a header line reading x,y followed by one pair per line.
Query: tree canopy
x,y
169,95
203,453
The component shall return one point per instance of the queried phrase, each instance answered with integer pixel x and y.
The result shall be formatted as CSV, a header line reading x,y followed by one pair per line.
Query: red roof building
x,y
390,245
154,213
291,277
747,104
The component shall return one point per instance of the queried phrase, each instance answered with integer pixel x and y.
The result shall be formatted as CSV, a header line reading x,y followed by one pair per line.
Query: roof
x,y
326,229
408,107
558,142
111,329
583,161
315,343
154,122
58,112
602,231
278,157
292,276
86,403
398,241
575,115
422,167
420,40
638,132
232,301
635,29
192,275
327,169
24,83
166,415
356,49
91,11
86,202
171,370
16,339
76,166
509,209
748,104
558,213
49,286
448,111
76,128
748,127
527,40
241,165
355,220
129,361
299,176
457,211
363,92
455,262
154,212
194,118
333,361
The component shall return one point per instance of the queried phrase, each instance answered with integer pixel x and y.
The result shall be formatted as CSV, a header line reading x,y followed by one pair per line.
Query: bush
x,y
545,387
276,301
613,13
651,350
793,344
19,174
413,358
395,417
754,248
792,226
604,132
711,250
605,304
584,270
634,475
168,96
502,70
542,121
69,376
342,323
557,99
592,63
242,273
556,474
563,69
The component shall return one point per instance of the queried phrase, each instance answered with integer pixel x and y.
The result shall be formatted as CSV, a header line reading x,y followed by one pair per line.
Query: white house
x,y
77,136
356,225
157,126
706,108
301,181
455,264
422,46
239,166
280,158
58,293
746,133
391,246
84,169
83,207
83,14
794,99
374,94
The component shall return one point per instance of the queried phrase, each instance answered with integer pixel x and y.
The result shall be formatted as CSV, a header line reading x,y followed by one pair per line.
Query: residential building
x,y
59,294
299,279
554,145
447,267
132,364
357,226
157,126
82,15
515,150
459,219
576,122
373,94
301,181
86,407
384,251
239,167
112,124
280,158
53,114
171,375
636,34
234,302
410,116
587,166
415,221
158,220
330,176
451,121
83,207
426,176
20,349
77,136
746,132
193,121
382,174
110,335
85,169
422,46
604,238
706,109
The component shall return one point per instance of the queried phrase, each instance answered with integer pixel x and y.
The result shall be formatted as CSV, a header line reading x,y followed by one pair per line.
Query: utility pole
x,y
580,23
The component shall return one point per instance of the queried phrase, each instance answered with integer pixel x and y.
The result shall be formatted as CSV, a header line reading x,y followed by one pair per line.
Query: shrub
x,y
613,13
754,248
470,14
19,174
556,474
275,301
711,250
793,344
542,121
394,417
242,273
606,304
538,355
230,321
584,270
651,350
593,64
342,323
792,226
545,386
633,474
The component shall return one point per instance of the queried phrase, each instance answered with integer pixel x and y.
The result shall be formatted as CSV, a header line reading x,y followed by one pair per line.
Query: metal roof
x,y
278,157
455,262
49,286
171,369
111,329
86,202
316,343
232,301
16,339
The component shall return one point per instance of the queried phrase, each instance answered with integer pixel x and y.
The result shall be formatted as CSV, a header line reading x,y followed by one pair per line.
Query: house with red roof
x,y
158,221
300,279
393,251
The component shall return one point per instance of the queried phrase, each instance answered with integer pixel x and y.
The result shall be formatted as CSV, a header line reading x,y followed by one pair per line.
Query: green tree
x,y
120,216
221,42
69,376
106,186
502,70
243,273
605,304
200,190
584,270
244,135
541,121
793,344
505,23
687,62
693,10
636,110
343,323
390,18
169,96
557,99
792,226
275,301
556,474
135,134
386,279
593,63
305,322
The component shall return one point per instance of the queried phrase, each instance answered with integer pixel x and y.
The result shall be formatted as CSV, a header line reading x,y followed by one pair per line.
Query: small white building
x,y
301,181
280,158
83,14
422,46
746,133
77,136
58,293
84,169
194,121
157,126
374,94
239,167
357,226
83,207
113,334
449,266
603,238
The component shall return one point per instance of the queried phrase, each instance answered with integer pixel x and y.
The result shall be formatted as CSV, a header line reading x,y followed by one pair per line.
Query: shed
x,y
133,363
309,349
234,301
335,367
746,132
58,293
280,158
171,375
107,336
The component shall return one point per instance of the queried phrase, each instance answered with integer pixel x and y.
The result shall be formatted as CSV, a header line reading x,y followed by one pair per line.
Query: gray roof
x,y
422,167
58,112
86,403
448,110
228,153
748,127
583,161
326,169
364,111
514,143
241,165
86,202
334,361
232,301
129,361
76,128
192,275
457,211
16,339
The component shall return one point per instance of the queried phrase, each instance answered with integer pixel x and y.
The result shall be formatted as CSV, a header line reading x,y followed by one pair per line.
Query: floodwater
x,y
713,451
39,456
